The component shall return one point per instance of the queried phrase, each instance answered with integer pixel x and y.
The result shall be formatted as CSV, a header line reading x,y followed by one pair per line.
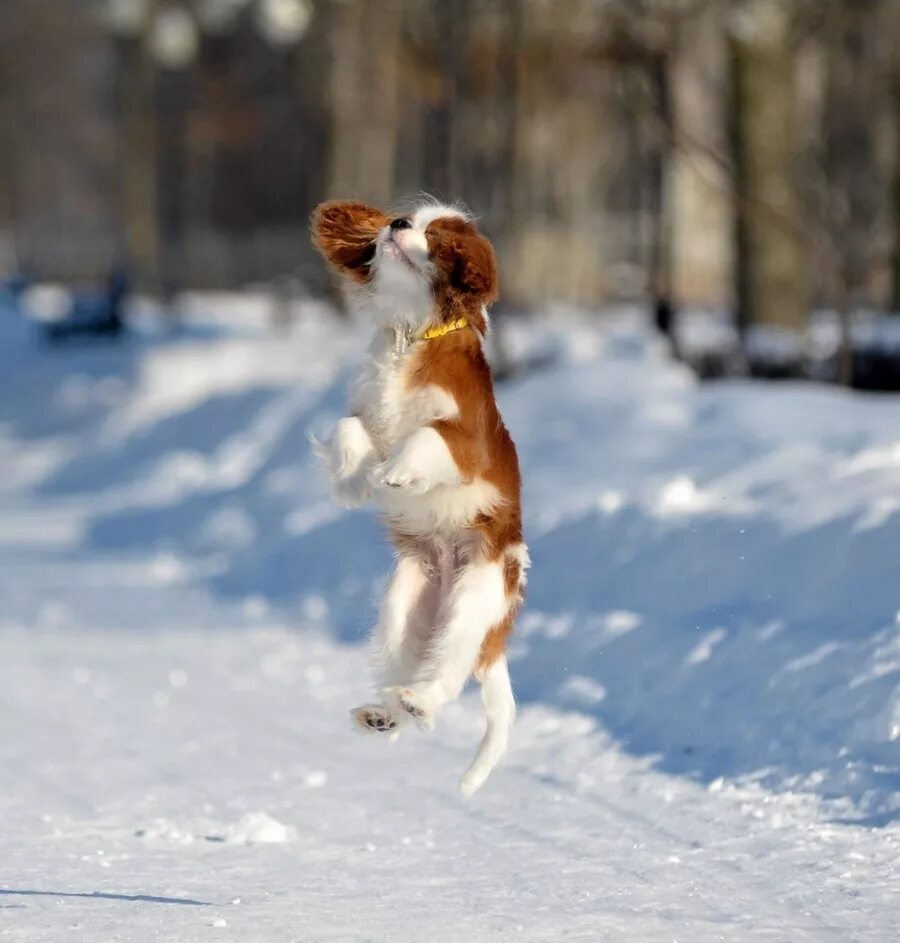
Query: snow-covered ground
x,y
708,669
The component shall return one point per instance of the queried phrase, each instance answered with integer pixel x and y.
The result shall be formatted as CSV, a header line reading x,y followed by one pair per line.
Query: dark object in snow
x,y
93,315
707,341
772,352
776,368
663,315
877,369
874,351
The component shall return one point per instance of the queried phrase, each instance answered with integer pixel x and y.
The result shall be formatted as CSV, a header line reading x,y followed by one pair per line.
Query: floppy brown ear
x,y
344,232
468,260
477,269
465,257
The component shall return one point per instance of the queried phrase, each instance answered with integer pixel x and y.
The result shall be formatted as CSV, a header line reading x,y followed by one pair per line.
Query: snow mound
x,y
165,831
253,828
258,828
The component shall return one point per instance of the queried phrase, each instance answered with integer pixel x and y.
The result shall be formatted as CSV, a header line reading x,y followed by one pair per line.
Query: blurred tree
x,y
852,190
770,270
135,141
365,85
8,92
591,137
894,40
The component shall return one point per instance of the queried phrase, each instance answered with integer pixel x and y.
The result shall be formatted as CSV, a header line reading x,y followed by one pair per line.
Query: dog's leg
x,y
408,604
475,602
395,643
349,453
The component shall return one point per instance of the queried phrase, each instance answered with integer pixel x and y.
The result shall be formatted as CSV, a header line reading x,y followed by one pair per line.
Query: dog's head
x,y
433,255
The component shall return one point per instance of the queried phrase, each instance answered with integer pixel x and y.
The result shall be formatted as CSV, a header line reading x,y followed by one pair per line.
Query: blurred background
x,y
691,199
732,165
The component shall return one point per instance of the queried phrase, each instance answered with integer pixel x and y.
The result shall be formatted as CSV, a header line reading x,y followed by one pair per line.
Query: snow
x,y
708,668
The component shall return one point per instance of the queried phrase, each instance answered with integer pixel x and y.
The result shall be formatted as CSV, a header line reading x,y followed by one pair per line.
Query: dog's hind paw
x,y
374,718
414,704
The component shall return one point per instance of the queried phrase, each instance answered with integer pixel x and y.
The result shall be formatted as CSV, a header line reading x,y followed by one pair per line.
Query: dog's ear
x,y
344,232
477,268
465,258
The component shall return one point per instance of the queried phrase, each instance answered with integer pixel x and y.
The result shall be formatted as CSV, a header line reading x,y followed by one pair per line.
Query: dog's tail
x,y
500,712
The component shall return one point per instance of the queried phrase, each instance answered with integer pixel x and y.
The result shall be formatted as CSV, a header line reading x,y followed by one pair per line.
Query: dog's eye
x,y
400,223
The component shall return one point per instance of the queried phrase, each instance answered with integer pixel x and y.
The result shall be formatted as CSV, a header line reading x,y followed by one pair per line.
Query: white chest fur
x,y
392,408
389,405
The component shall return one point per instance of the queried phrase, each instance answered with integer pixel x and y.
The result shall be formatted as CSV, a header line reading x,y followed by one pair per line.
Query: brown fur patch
x,y
344,232
512,577
494,643
477,438
465,259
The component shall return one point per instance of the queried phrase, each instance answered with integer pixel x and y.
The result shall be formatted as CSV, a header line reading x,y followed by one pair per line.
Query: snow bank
x,y
715,567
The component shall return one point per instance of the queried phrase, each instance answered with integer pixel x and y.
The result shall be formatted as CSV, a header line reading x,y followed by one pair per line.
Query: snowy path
x,y
132,786
180,611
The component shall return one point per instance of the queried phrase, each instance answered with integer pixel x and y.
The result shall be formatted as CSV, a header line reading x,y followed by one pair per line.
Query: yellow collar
x,y
443,329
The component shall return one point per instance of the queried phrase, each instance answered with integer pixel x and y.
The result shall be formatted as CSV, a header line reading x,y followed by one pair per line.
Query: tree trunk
x,y
660,263
770,267
365,86
855,194
9,121
895,212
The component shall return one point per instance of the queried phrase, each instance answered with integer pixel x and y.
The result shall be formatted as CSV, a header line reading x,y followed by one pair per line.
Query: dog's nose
x,y
400,223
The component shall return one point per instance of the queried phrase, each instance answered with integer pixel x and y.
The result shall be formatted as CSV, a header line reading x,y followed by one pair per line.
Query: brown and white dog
x,y
425,442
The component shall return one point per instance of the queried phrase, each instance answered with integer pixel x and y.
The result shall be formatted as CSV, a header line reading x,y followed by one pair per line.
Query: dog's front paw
x,y
348,454
351,447
398,475
421,463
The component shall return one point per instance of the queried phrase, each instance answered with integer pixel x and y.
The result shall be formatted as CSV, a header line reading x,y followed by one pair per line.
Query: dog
x,y
425,443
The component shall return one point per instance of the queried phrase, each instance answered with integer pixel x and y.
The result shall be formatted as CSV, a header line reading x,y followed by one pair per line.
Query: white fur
x,y
400,293
414,245
381,396
441,511
407,613
435,613
422,462
425,215
394,418
476,602
350,456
